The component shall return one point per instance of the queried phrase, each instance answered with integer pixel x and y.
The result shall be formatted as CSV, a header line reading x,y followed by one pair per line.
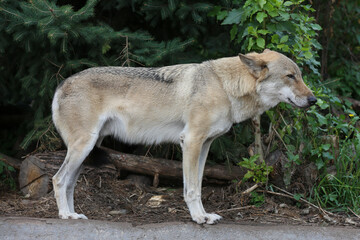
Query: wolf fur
x,y
189,104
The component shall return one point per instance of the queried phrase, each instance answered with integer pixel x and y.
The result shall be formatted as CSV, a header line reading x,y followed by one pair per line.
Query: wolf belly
x,y
142,132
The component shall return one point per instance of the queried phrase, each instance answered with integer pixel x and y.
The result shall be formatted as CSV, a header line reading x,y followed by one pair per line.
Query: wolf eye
x,y
290,76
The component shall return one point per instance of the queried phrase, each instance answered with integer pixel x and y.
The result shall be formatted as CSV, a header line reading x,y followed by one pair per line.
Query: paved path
x,y
37,228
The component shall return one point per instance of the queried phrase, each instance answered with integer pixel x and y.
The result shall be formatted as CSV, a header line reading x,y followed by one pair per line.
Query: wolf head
x,y
278,79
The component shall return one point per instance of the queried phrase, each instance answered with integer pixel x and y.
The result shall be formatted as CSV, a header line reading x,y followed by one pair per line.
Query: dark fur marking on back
x,y
133,72
130,72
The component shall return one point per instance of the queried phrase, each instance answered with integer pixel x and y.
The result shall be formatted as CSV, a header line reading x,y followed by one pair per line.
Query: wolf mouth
x,y
295,105
291,102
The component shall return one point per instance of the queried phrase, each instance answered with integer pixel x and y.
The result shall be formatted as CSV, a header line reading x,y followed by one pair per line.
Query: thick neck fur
x,y
240,86
236,79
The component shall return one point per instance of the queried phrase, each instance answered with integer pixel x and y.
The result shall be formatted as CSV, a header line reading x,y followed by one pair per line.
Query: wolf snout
x,y
311,100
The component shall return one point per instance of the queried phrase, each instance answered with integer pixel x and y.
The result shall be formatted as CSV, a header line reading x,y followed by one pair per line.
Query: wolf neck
x,y
236,79
240,87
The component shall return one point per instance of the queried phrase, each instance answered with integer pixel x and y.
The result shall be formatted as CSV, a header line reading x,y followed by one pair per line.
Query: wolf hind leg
x,y
70,191
64,180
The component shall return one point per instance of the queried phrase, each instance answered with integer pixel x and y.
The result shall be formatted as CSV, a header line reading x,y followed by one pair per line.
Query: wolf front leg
x,y
195,151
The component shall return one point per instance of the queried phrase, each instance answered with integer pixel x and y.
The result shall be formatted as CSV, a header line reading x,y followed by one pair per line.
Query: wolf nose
x,y
311,100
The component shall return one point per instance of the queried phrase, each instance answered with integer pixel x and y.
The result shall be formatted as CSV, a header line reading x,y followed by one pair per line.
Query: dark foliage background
x,y
42,42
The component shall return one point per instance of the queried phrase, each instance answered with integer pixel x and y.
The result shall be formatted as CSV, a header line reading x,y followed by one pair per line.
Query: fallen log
x,y
168,168
36,171
34,177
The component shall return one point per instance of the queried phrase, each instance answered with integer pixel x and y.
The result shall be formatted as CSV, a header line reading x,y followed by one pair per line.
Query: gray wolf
x,y
189,104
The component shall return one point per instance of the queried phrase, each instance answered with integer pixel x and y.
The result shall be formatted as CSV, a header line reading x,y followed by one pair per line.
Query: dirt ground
x,y
102,195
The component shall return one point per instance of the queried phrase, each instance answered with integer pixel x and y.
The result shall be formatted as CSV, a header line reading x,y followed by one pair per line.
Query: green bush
x,y
283,26
42,42
323,134
257,172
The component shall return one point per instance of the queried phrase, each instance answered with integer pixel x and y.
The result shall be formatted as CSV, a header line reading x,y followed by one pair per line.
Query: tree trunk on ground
x,y
37,171
168,168
34,177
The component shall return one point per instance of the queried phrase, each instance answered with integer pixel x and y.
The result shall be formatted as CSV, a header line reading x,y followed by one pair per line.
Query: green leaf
x,y
252,31
275,38
214,11
297,196
172,5
322,104
284,15
262,3
288,3
105,48
233,32
335,100
248,175
251,44
316,27
263,31
322,120
308,55
319,163
327,155
274,13
260,42
221,15
234,16
260,16
283,47
269,7
284,39
325,147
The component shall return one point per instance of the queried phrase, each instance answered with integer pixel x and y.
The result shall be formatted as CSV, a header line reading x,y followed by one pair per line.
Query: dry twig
x,y
249,190
236,209
353,212
290,195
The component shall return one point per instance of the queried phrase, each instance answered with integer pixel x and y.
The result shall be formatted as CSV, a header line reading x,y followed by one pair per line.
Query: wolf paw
x,y
72,216
208,218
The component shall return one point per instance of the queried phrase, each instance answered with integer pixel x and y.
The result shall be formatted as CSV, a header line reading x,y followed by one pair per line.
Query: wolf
x,y
187,104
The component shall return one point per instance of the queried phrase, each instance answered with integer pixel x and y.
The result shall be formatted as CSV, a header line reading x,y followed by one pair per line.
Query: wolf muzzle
x,y
311,100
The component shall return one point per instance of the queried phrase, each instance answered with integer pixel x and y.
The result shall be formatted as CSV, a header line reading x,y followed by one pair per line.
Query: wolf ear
x,y
254,64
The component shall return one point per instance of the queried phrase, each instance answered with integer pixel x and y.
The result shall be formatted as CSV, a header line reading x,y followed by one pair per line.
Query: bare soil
x,y
105,196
